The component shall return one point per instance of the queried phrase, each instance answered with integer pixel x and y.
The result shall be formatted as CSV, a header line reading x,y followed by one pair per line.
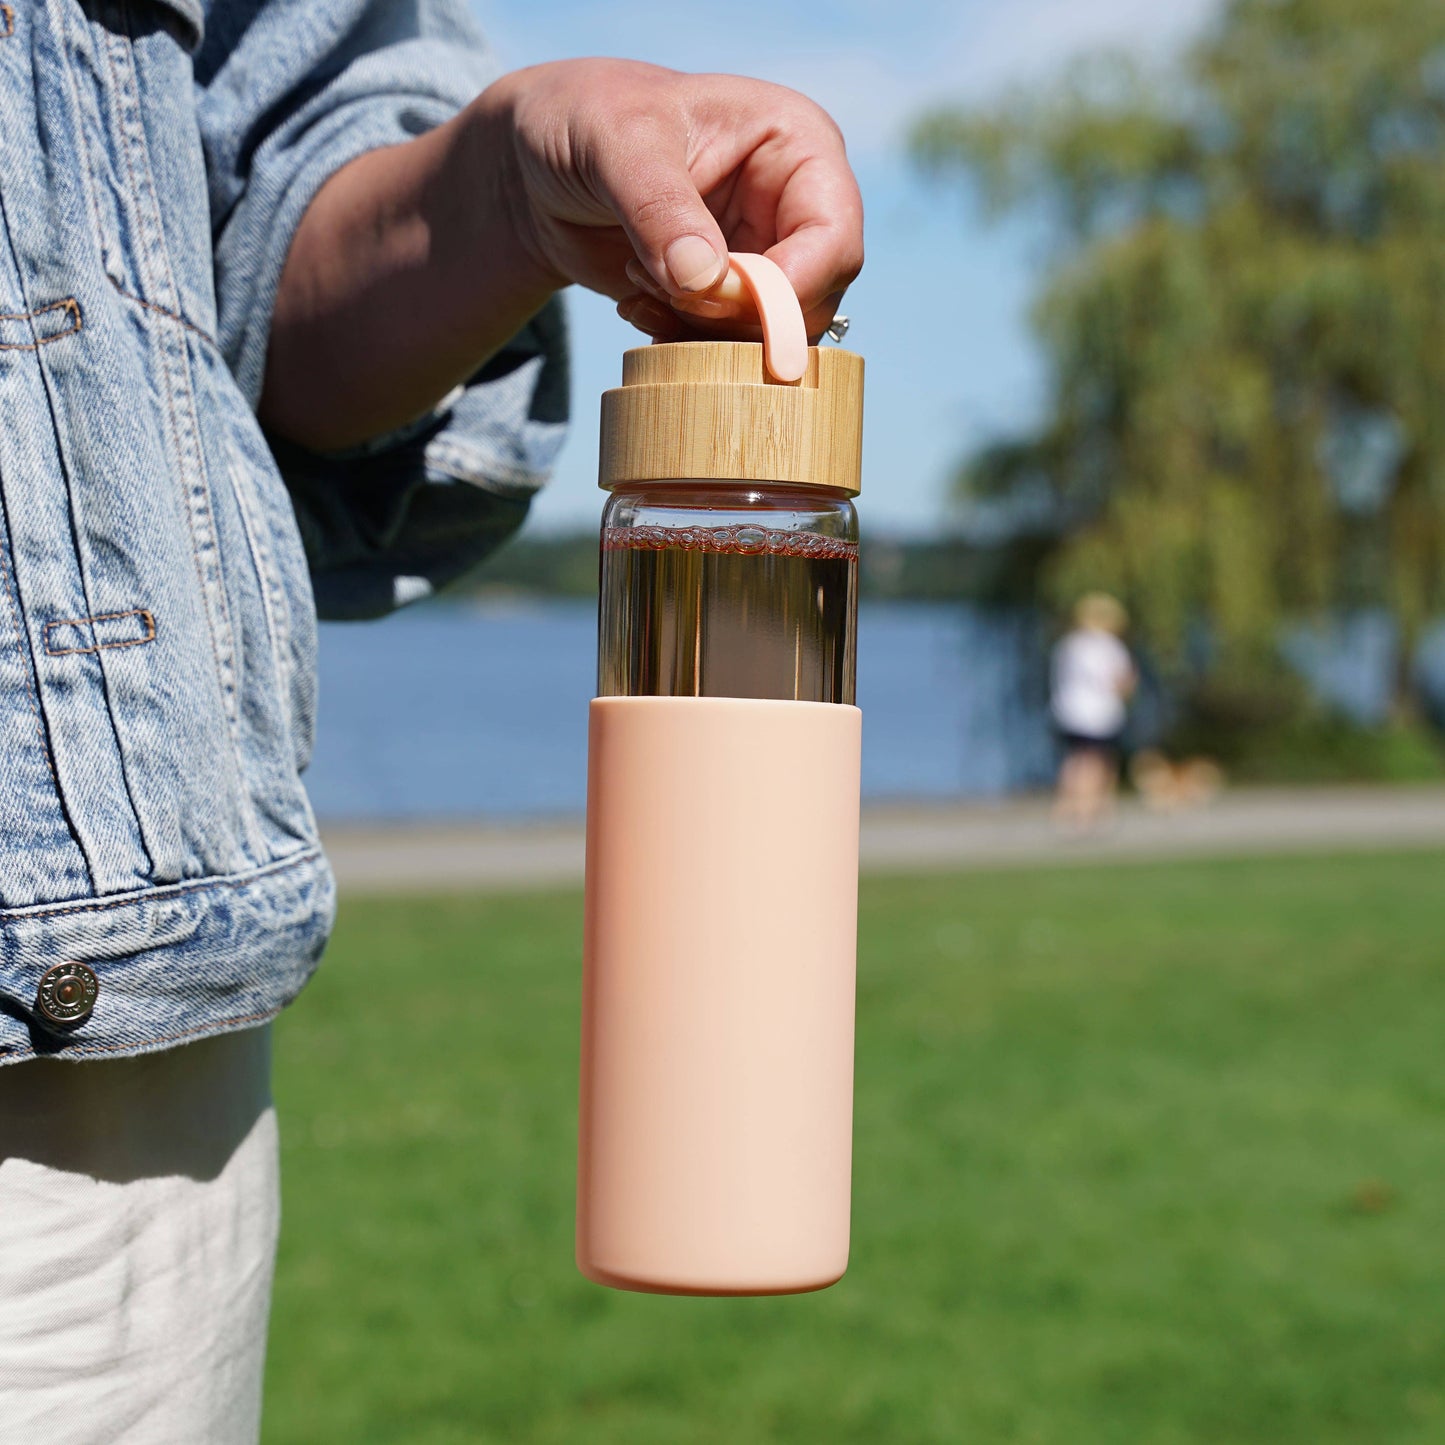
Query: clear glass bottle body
x,y
728,589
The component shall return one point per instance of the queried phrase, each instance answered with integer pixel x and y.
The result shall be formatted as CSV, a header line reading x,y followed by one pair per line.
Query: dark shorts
x,y
1083,742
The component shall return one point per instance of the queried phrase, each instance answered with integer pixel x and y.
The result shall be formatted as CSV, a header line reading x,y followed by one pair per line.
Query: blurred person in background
x,y
278,335
1092,678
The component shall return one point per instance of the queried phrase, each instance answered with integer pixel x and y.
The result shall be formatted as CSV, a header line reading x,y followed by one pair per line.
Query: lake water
x,y
481,712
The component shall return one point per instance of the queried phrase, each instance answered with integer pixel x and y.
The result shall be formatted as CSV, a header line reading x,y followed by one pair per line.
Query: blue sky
x,y
940,311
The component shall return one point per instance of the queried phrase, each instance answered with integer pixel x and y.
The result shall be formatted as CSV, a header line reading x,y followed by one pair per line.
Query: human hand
x,y
636,181
415,262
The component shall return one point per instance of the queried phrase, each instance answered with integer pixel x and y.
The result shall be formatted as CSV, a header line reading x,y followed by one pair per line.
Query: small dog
x,y
1173,787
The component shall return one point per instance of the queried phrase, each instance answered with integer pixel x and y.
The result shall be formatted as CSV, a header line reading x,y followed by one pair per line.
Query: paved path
x,y
434,858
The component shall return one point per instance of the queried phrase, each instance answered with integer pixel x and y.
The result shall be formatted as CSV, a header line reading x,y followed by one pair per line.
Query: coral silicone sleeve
x,y
717,1033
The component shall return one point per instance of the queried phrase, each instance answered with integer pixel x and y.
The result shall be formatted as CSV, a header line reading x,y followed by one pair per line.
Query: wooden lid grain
x,y
707,409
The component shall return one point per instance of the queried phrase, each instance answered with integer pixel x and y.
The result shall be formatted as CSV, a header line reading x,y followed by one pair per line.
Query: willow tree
x,y
1244,315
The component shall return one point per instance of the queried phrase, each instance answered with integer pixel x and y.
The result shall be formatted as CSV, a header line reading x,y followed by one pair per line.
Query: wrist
x,y
411,267
489,172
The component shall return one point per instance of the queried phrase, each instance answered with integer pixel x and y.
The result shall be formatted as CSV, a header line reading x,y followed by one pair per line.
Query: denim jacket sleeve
x,y
289,91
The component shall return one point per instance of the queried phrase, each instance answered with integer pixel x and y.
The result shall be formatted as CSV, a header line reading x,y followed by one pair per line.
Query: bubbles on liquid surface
x,y
746,540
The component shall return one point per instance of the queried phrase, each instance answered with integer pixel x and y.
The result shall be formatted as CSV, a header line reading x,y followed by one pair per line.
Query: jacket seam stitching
x,y
142,612
176,377
68,304
274,605
475,465
159,895
30,662
128,95
76,31
163,311
29,685
168,1038
80,115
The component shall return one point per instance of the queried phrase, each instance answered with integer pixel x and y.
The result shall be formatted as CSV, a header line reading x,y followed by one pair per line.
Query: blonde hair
x,y
1101,612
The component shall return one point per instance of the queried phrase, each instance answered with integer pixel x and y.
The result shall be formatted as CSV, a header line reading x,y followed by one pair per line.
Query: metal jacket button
x,y
67,994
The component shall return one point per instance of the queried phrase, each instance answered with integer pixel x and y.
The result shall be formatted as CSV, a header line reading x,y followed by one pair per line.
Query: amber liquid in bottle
x,y
729,611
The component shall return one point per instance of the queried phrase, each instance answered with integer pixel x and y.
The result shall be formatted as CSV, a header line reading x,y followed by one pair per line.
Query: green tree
x,y
1244,316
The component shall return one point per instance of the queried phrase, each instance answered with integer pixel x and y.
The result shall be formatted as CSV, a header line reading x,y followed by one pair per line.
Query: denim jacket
x,y
161,563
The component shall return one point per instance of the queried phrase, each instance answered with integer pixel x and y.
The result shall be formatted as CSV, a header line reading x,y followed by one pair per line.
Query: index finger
x,y
820,229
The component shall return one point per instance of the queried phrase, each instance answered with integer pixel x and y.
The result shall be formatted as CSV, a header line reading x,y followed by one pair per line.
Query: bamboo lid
x,y
709,410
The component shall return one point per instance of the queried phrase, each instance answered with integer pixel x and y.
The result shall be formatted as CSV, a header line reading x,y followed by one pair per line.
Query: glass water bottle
x,y
722,829
717,588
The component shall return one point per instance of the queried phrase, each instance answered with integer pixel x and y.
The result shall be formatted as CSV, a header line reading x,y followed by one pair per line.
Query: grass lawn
x,y
1145,1155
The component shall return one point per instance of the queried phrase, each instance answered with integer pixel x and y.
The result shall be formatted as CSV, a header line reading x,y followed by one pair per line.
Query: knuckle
x,y
662,207
806,114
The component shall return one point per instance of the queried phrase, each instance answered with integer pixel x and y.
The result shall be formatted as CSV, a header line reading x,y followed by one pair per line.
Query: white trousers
x,y
139,1207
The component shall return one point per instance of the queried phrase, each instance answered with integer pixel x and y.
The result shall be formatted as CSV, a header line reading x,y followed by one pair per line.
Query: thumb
x,y
655,201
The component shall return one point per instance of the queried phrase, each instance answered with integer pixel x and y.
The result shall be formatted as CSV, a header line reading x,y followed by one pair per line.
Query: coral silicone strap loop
x,y
785,336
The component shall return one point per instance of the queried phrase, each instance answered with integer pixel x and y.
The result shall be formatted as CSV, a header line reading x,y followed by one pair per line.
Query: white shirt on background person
x,y
1092,672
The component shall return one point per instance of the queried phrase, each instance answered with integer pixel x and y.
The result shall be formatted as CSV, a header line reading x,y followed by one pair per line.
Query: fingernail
x,y
648,316
707,307
637,274
626,307
693,264
730,288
